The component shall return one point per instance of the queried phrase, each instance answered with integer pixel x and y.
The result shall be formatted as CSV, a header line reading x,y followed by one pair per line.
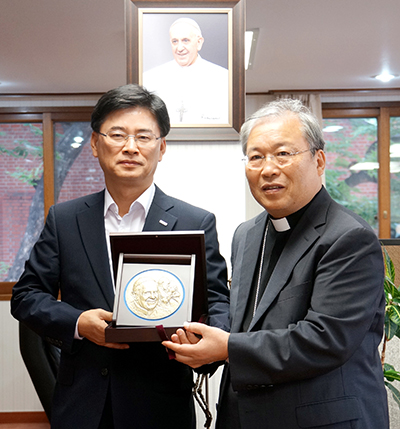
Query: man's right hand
x,y
91,325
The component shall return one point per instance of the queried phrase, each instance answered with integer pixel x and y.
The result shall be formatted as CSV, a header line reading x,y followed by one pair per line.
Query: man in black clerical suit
x,y
307,299
111,385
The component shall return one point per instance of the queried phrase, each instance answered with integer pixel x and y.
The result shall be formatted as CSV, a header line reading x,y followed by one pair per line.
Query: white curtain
x,y
312,101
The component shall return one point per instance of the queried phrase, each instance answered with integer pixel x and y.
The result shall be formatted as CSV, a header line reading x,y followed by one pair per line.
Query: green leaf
x,y
395,392
389,266
391,375
392,311
388,366
391,328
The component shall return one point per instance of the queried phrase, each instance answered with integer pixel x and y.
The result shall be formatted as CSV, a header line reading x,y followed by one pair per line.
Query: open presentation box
x,y
161,282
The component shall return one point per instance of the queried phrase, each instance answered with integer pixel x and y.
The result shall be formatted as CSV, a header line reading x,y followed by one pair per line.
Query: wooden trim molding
x,y
48,161
326,90
6,290
384,172
24,417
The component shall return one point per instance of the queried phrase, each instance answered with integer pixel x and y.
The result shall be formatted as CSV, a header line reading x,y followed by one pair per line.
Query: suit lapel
x,y
252,247
302,238
158,218
92,230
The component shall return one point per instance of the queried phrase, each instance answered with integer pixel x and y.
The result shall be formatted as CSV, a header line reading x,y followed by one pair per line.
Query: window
x,y
38,166
352,165
395,176
77,171
21,193
363,169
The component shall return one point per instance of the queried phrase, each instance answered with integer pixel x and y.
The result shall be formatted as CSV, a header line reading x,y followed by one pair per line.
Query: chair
x,y
42,361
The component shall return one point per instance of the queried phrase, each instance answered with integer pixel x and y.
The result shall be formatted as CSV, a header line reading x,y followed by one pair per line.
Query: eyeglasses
x,y
281,159
120,138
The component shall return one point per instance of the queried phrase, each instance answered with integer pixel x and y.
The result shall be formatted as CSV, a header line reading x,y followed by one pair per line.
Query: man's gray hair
x,y
190,22
310,126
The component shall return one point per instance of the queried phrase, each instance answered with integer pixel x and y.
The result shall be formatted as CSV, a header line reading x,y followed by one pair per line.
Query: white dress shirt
x,y
133,221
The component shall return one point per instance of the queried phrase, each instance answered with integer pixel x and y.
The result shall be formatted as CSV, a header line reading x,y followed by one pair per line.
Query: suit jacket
x,y
146,388
310,356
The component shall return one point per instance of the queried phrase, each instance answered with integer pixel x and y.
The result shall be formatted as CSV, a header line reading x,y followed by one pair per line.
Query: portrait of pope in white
x,y
185,61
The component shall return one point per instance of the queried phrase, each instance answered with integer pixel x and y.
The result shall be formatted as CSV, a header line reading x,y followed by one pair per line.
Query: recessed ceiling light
x,y
385,77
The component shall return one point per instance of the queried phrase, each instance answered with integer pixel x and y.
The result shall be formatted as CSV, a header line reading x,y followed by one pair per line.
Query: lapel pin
x,y
163,222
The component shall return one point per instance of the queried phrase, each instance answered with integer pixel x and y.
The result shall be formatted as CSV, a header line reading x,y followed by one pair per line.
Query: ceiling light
x,y
332,128
385,77
250,42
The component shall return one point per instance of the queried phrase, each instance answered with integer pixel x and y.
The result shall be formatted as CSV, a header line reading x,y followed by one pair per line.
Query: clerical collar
x,y
286,223
280,225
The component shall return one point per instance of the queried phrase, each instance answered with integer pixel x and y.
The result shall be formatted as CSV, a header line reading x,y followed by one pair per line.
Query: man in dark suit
x,y
113,385
307,300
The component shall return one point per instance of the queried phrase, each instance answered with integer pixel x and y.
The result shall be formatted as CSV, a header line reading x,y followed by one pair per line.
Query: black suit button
x,y
104,372
251,386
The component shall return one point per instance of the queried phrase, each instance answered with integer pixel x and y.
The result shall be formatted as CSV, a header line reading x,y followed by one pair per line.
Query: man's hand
x,y
189,349
91,325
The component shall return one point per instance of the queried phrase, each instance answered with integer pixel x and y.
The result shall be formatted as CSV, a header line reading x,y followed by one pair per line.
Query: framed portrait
x,y
191,54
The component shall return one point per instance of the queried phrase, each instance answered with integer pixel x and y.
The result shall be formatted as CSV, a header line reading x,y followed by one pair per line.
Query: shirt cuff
x,y
76,335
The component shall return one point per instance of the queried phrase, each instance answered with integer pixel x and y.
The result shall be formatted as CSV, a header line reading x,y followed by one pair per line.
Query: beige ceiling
x,y
60,46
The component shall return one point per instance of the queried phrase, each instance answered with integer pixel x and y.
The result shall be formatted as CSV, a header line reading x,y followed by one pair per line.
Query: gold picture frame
x,y
148,48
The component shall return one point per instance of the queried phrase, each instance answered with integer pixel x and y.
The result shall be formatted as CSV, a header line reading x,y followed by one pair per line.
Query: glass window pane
x,y
352,165
21,195
77,171
395,176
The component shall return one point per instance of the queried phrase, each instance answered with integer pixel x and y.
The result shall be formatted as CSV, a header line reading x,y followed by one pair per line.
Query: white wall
x,y
208,175
211,176
16,389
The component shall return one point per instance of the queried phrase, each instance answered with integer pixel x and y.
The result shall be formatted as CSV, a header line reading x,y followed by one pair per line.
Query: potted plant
x,y
392,324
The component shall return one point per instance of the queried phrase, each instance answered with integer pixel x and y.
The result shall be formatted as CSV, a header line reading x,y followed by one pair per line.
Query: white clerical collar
x,y
280,225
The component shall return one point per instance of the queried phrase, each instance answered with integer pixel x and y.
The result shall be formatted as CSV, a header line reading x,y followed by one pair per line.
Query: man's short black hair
x,y
128,96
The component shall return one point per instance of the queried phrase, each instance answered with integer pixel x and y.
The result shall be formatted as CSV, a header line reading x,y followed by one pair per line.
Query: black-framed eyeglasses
x,y
120,138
